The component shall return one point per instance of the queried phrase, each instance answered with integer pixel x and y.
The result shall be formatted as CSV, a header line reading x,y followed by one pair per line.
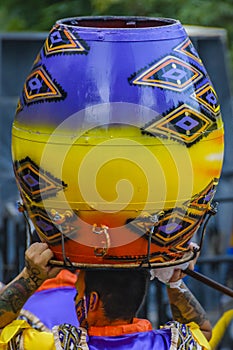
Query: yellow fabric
x,y
199,336
11,330
32,339
220,328
38,340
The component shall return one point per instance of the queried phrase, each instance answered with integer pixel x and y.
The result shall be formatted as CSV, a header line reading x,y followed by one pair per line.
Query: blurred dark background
x,y
209,23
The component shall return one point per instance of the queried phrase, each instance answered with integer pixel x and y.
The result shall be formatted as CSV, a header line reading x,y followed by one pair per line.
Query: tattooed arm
x,y
14,295
185,308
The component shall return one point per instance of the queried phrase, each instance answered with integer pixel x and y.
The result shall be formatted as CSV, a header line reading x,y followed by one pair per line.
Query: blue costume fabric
x,y
53,303
52,307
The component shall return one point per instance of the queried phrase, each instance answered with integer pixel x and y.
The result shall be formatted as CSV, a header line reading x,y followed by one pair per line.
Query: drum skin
x,y
117,142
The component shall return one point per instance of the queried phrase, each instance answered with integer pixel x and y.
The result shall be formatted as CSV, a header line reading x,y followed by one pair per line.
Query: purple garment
x,y
53,306
151,340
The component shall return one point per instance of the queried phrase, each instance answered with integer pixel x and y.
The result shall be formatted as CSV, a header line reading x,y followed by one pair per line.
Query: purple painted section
x,y
30,180
170,228
97,67
211,98
187,123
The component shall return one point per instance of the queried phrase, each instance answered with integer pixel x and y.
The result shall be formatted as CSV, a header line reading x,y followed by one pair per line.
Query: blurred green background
x,y
21,15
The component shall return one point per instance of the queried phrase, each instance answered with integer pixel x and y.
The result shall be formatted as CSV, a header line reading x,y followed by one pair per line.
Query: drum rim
x,y
166,28
188,256
130,22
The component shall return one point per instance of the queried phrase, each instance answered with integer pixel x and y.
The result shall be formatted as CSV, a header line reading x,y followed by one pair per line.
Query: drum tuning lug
x,y
102,230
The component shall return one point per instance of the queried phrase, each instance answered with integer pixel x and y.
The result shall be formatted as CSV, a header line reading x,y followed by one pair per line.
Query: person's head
x,y
107,296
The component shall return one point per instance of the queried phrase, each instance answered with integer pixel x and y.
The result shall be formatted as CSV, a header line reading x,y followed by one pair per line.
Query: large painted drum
x,y
117,142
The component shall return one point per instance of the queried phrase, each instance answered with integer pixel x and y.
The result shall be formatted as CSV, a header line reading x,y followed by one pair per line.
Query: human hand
x,y
172,276
37,267
179,271
185,307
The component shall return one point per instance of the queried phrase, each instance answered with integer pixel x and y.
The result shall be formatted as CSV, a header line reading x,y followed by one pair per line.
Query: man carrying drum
x,y
106,305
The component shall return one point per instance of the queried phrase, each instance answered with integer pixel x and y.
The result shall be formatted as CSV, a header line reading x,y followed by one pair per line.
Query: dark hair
x,y
121,291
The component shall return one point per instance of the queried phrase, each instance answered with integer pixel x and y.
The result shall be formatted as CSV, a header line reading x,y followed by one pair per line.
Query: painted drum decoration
x,y
117,142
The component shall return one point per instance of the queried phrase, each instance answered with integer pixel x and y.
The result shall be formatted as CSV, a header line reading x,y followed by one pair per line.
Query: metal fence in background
x,y
12,242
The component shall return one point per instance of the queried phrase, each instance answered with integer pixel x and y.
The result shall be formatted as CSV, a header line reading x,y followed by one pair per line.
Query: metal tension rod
x,y
209,282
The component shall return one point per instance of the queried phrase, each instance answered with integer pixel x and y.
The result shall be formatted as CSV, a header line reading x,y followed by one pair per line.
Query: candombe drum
x,y
117,142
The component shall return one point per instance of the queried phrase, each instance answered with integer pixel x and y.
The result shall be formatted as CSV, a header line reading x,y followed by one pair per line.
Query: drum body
x,y
117,142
